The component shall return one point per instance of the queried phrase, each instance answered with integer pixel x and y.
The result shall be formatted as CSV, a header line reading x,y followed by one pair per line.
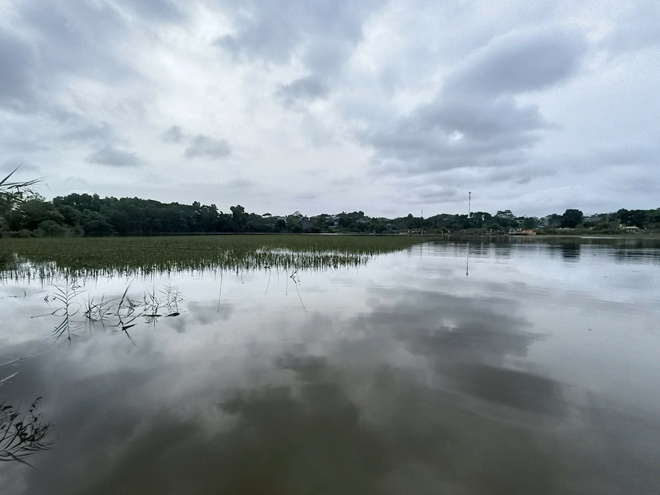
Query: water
x,y
524,367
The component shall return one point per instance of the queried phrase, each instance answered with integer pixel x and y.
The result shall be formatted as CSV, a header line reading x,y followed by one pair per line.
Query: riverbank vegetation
x,y
26,214
46,257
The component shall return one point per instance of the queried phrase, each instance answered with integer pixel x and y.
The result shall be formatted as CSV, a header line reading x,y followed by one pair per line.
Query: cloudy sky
x,y
389,107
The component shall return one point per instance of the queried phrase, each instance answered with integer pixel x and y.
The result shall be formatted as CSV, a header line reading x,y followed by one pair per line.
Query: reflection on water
x,y
21,433
76,309
570,250
535,374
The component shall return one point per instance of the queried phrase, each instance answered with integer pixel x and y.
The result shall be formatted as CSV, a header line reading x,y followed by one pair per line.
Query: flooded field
x,y
459,367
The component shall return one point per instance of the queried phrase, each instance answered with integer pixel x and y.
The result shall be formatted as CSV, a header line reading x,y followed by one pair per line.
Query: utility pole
x,y
469,204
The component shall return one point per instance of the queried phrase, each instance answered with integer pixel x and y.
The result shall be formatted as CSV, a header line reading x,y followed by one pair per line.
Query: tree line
x,y
90,215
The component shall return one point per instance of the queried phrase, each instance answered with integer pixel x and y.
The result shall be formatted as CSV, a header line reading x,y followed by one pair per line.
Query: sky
x,y
322,106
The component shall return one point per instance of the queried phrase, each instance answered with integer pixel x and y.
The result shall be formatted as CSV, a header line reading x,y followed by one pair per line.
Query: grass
x,y
44,258
73,260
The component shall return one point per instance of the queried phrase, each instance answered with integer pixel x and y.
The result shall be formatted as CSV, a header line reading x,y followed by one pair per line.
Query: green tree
x,y
50,228
95,224
239,218
206,217
571,219
553,220
293,222
637,218
530,223
506,219
34,211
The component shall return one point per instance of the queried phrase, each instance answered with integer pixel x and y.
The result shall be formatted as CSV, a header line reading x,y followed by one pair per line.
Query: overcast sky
x,y
389,107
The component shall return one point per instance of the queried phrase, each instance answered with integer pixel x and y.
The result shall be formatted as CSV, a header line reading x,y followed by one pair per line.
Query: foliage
x,y
12,194
93,216
639,218
571,219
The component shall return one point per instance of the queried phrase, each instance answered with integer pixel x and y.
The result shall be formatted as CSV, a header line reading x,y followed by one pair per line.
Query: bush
x,y
52,229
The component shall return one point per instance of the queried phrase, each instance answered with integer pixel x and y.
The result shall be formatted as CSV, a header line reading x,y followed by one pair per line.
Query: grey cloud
x,y
625,154
519,62
160,10
305,196
636,30
341,183
22,142
17,71
65,115
90,132
475,121
206,146
479,120
520,174
240,184
267,36
198,145
321,35
450,186
20,167
173,135
443,135
109,155
272,30
304,88
76,37
431,194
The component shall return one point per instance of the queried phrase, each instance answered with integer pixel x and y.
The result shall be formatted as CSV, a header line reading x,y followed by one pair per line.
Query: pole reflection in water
x,y
467,259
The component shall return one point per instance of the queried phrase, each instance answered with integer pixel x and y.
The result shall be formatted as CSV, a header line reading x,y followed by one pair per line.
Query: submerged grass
x,y
44,258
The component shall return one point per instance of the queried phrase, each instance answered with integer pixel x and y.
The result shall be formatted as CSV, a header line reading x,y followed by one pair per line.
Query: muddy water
x,y
461,368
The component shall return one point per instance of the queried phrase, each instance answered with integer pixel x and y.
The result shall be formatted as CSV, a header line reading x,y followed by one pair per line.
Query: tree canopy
x,y
24,213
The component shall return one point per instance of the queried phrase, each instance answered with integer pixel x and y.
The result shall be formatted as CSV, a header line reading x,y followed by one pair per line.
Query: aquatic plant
x,y
66,308
119,313
45,259
22,434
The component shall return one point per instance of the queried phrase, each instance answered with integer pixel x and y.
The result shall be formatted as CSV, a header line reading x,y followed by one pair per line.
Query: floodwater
x,y
457,368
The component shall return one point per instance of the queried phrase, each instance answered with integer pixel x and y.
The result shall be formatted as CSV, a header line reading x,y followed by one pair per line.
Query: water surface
x,y
450,367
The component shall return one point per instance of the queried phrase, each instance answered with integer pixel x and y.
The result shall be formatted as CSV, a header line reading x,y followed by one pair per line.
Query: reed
x,y
45,259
